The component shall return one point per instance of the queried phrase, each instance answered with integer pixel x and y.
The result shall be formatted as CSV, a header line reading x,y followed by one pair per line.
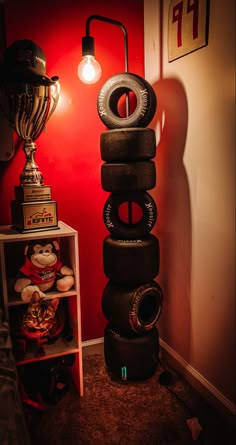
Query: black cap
x,y
26,61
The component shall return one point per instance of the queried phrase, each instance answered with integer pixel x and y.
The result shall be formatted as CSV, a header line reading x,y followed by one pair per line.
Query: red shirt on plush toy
x,y
41,269
39,275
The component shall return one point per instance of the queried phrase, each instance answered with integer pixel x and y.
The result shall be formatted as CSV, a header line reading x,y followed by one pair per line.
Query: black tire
x,y
132,309
111,92
130,176
118,227
128,144
131,262
131,358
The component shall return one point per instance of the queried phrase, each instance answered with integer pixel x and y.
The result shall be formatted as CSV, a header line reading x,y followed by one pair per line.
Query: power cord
x,y
165,379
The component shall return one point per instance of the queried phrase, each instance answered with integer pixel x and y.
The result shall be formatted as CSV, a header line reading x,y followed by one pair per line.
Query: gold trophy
x,y
32,98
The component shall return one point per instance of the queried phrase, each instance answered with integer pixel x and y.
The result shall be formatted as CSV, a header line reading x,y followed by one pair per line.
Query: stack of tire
x,y
132,300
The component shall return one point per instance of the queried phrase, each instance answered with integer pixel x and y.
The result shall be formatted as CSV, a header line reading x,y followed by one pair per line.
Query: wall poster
x,y
188,23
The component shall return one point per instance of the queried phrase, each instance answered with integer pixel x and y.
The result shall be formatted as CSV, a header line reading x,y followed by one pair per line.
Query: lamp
x,y
89,69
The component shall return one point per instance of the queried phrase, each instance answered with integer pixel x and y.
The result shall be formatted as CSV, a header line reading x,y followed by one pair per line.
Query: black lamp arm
x,y
113,22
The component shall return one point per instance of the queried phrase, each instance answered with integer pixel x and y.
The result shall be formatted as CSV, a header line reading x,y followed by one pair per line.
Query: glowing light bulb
x,y
89,70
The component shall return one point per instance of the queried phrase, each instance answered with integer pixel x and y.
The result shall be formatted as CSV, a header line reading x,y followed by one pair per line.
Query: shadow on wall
x,y
173,226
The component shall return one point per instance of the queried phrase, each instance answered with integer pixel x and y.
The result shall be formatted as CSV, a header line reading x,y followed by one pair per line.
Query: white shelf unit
x,y
12,246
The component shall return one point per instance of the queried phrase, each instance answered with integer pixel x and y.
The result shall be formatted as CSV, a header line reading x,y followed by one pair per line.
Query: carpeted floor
x,y
131,413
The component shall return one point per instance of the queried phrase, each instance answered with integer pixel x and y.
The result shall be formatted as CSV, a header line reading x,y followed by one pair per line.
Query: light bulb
x,y
89,70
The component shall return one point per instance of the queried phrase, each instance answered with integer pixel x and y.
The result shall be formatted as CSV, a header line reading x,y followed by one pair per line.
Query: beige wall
x,y
195,194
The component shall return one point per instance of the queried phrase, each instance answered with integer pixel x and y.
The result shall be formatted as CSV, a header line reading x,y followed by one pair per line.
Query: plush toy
x,y
42,270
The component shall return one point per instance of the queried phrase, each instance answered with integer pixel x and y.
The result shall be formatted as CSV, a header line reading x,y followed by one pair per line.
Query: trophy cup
x,y
32,99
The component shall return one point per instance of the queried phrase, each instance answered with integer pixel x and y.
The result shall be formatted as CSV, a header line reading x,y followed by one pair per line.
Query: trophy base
x,y
33,193
34,216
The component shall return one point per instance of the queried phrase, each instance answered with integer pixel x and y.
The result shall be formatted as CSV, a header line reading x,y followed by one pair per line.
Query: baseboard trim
x,y
203,386
94,346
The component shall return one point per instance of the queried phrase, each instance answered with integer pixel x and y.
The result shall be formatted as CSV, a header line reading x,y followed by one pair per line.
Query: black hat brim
x,y
28,75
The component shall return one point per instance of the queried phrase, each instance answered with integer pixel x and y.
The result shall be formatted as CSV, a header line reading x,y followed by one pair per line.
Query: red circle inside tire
x,y
130,212
121,104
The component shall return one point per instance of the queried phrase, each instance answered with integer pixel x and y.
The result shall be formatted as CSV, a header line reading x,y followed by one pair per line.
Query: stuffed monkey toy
x,y
42,270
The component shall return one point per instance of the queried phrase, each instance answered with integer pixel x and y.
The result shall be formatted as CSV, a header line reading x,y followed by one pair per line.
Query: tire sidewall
x,y
117,227
110,94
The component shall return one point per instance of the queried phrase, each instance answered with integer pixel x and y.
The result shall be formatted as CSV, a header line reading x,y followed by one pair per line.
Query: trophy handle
x,y
55,92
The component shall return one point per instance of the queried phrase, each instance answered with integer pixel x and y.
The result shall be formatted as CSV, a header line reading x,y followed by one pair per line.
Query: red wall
x,y
68,152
